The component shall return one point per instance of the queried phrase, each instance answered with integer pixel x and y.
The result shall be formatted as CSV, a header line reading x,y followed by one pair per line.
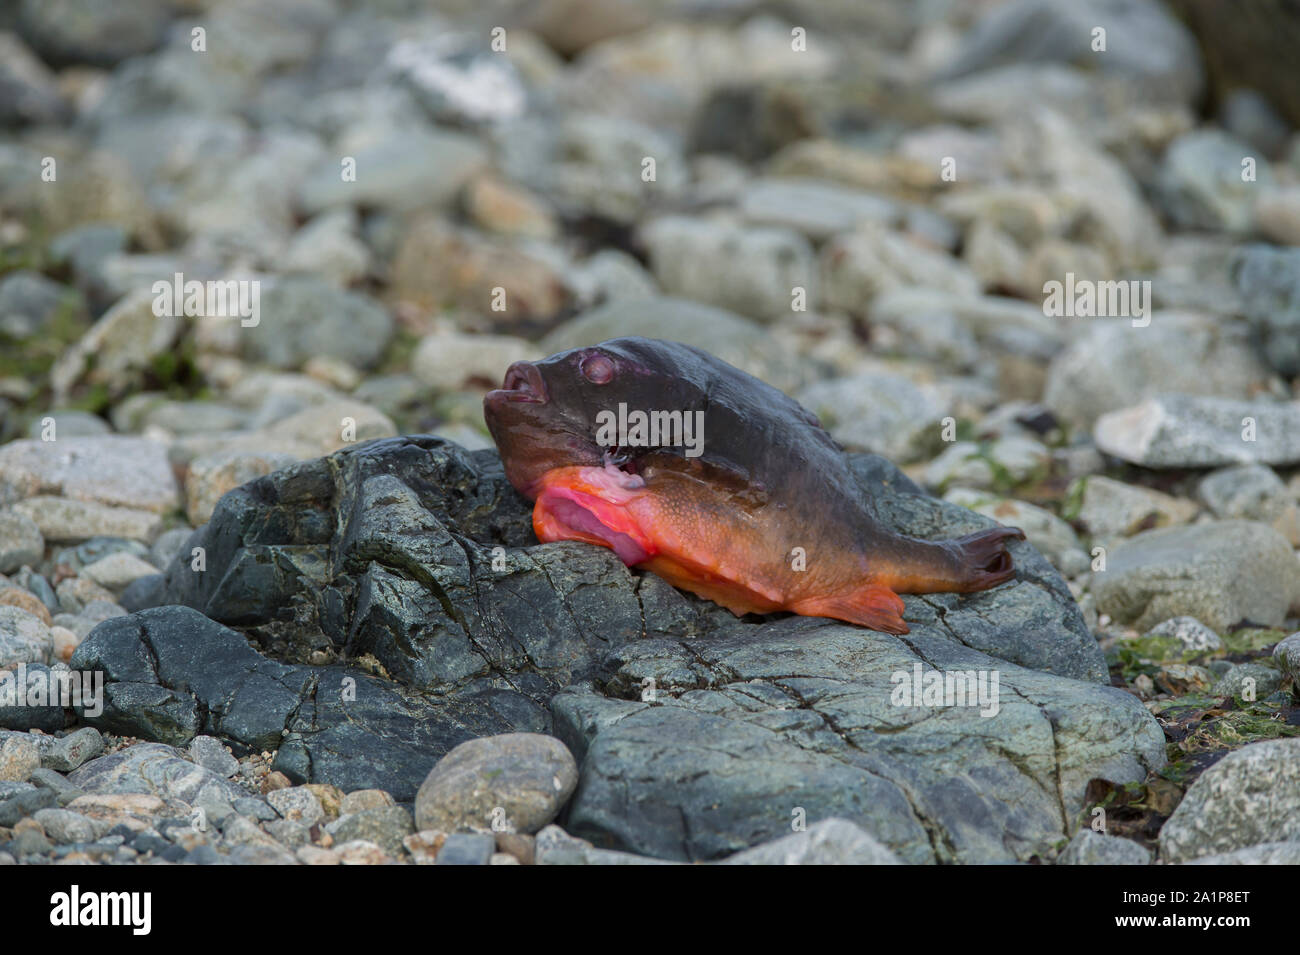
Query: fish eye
x,y
597,369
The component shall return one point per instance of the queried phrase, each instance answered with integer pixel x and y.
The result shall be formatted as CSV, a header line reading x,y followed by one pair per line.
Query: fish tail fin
x,y
975,562
983,559
871,605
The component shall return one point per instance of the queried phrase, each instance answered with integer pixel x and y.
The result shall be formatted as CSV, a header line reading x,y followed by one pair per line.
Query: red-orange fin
x,y
870,606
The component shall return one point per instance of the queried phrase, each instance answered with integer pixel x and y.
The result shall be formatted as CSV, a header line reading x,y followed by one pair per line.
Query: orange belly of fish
x,y
682,540
671,538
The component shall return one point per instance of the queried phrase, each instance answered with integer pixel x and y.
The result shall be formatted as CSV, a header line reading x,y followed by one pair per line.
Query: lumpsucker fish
x,y
717,482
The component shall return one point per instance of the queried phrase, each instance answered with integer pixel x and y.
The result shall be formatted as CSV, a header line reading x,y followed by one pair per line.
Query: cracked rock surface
x,y
406,570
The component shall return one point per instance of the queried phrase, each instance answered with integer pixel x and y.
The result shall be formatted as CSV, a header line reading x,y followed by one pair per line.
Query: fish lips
x,y
523,382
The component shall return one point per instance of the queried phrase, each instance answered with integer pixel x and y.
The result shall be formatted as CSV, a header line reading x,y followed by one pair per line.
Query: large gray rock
x,y
749,730
419,554
1220,572
1186,431
1250,797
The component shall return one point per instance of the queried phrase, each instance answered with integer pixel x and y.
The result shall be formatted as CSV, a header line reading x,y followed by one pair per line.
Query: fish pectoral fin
x,y
869,606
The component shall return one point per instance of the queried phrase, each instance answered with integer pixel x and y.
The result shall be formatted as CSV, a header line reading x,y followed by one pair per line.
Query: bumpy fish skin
x,y
769,517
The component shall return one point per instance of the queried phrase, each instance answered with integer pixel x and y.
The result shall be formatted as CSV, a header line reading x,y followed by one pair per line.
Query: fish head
x,y
545,414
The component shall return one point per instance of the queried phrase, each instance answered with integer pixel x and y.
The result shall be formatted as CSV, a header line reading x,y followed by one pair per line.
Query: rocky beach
x,y
267,596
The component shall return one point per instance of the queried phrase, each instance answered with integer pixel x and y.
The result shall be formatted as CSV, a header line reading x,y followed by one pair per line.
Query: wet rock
x,y
1094,848
1185,431
520,780
689,798
1221,572
1247,798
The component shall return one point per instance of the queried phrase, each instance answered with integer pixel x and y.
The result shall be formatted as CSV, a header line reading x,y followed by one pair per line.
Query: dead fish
x,y
731,514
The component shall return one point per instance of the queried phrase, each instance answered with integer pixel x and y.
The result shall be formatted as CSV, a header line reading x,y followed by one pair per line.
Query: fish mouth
x,y
523,382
